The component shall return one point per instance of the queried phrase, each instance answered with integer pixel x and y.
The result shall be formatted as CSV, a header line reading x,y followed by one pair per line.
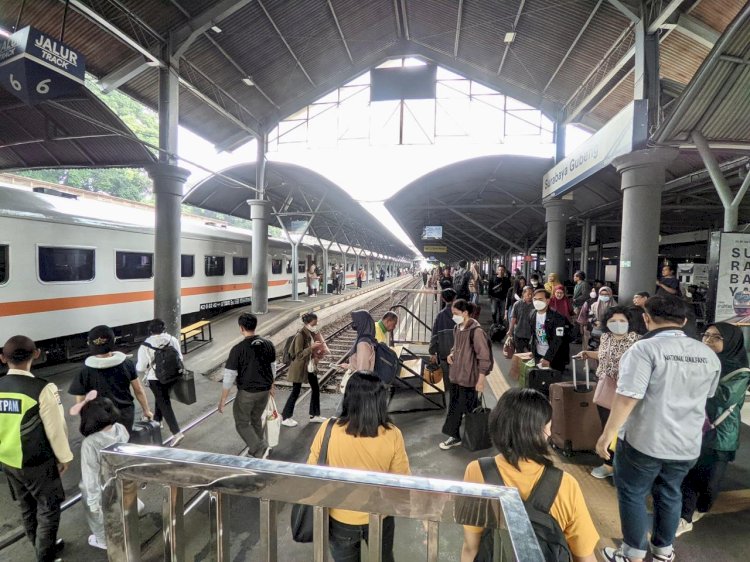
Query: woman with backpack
x,y
159,341
303,369
112,375
471,362
520,425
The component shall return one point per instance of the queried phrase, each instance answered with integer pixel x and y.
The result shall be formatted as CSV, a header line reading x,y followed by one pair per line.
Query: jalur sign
x,y
624,133
35,67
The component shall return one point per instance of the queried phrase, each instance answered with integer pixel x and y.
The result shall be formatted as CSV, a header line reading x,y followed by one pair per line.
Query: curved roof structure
x,y
297,193
247,64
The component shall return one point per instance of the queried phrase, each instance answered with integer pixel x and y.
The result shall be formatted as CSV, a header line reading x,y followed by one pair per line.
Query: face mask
x,y
458,319
535,283
540,305
618,327
313,329
592,294
604,298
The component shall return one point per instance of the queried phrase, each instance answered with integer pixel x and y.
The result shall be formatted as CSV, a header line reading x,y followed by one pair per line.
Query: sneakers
x,y
177,439
450,443
317,419
698,515
603,471
266,453
682,528
95,543
289,422
663,557
614,555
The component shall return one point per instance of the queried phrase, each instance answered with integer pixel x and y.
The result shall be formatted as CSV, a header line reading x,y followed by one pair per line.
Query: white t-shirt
x,y
542,345
146,355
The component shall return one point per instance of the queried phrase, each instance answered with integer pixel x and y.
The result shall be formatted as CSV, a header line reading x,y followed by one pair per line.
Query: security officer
x,y
34,449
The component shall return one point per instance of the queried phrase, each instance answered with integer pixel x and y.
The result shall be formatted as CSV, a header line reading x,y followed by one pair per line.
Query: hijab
x,y
733,356
363,323
560,305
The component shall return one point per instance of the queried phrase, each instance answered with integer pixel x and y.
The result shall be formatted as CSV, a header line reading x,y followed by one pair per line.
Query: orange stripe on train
x,y
68,303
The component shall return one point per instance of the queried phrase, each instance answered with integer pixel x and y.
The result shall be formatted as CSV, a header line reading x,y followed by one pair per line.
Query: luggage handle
x,y
586,369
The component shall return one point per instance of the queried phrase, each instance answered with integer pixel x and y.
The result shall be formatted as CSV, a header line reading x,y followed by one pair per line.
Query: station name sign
x,y
36,67
435,249
625,132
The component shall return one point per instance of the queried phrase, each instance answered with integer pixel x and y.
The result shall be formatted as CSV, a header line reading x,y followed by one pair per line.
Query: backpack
x,y
167,364
547,530
386,363
288,344
489,346
461,285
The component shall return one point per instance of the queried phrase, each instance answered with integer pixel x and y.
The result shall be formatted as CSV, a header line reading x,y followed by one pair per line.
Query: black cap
x,y
101,339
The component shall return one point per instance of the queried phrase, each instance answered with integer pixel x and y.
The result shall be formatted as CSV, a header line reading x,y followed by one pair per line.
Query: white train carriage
x,y
67,265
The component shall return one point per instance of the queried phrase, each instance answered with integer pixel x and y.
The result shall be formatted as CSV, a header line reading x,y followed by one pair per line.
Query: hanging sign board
x,y
730,267
436,249
35,67
625,132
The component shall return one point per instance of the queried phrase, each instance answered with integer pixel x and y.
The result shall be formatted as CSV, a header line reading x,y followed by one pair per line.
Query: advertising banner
x,y
733,279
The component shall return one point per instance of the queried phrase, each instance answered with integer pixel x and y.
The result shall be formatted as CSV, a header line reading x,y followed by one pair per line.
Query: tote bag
x,y
272,421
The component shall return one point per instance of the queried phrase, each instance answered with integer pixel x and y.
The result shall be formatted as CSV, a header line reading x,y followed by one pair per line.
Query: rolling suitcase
x,y
575,420
146,433
542,379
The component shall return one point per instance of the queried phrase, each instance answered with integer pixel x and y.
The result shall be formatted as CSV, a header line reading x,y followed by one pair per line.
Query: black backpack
x,y
461,285
546,528
167,364
386,363
489,346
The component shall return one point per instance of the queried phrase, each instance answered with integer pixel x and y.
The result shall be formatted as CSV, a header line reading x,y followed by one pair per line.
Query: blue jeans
x,y
346,540
636,476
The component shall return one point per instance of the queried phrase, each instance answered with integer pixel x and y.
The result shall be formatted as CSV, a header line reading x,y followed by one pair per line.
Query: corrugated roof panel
x,y
433,23
727,124
368,26
484,27
680,57
717,13
621,96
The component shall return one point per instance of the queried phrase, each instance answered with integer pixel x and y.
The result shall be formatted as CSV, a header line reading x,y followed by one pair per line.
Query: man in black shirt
x,y
498,292
252,364
668,284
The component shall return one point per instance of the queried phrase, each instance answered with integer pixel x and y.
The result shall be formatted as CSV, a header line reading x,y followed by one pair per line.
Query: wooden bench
x,y
197,333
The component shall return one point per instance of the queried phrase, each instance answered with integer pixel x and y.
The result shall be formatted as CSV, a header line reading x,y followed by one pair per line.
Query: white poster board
x,y
733,287
610,273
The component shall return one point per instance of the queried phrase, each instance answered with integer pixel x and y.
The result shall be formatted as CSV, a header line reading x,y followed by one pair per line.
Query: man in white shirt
x,y
659,409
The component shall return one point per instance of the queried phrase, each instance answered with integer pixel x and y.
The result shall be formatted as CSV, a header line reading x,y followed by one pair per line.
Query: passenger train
x,y
68,264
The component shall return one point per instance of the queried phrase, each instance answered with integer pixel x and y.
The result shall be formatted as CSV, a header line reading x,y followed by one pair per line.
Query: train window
x,y
301,267
239,266
65,264
276,266
289,268
134,265
187,265
4,267
214,266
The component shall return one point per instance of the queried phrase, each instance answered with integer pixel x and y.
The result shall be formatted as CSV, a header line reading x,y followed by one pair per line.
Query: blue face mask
x,y
604,298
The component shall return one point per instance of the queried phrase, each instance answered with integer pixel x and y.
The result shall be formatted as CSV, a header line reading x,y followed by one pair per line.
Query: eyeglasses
x,y
710,336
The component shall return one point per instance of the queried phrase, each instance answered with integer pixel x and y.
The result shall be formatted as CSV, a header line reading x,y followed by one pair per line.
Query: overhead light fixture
x,y
215,29
4,33
248,81
510,36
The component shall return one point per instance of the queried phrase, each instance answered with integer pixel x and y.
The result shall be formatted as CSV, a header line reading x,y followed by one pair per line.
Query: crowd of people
x,y
650,374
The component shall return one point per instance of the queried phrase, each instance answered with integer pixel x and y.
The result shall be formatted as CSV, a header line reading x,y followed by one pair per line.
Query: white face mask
x,y
313,329
592,294
604,298
458,319
540,305
618,327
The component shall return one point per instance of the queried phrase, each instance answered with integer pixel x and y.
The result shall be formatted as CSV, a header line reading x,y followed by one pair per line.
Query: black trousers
x,y
39,493
463,400
604,417
523,345
701,485
288,411
163,409
346,540
127,416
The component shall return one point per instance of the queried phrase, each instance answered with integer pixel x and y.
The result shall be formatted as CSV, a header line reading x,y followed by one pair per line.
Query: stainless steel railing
x,y
417,309
434,501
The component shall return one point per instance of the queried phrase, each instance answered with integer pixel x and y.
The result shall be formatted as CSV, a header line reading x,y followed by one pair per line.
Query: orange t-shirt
x,y
569,508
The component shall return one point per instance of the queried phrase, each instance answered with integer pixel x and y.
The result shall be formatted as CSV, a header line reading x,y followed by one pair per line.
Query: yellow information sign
x,y
436,249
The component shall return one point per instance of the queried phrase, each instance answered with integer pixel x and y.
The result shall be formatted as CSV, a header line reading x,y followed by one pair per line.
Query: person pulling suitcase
x,y
550,343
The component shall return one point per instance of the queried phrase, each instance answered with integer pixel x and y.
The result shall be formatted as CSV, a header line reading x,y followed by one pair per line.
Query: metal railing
x,y
124,466
417,311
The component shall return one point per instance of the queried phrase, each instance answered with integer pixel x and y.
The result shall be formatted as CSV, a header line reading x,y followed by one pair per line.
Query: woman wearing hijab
x,y
592,315
362,356
560,303
553,280
721,436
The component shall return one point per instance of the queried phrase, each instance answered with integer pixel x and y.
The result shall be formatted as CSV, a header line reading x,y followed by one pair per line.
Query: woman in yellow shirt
x,y
520,427
365,439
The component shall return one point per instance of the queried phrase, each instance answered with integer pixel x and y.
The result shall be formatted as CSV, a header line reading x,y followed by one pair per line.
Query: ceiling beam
x,y
507,44
186,34
479,225
697,31
459,15
125,72
341,33
404,20
625,10
286,44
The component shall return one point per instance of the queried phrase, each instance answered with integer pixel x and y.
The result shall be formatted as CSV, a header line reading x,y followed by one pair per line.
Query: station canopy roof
x,y
246,64
75,132
298,194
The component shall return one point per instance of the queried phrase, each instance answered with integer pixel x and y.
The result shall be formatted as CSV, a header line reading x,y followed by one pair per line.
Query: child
x,y
100,430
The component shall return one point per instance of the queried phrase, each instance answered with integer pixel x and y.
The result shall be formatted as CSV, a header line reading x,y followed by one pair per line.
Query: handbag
x,y
272,420
311,365
184,388
509,347
302,514
604,394
476,428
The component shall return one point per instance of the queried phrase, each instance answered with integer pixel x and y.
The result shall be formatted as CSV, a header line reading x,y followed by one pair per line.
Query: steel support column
x,y
295,271
259,217
557,215
642,184
585,243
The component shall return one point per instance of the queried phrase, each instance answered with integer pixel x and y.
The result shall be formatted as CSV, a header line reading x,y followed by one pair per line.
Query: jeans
x,y
163,408
248,419
462,401
701,485
498,310
39,492
346,540
288,411
636,476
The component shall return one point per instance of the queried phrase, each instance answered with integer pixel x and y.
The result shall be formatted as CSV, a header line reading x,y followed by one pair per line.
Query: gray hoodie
x,y
91,461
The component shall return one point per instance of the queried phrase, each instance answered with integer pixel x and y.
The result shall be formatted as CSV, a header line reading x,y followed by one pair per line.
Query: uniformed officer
x,y
34,449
